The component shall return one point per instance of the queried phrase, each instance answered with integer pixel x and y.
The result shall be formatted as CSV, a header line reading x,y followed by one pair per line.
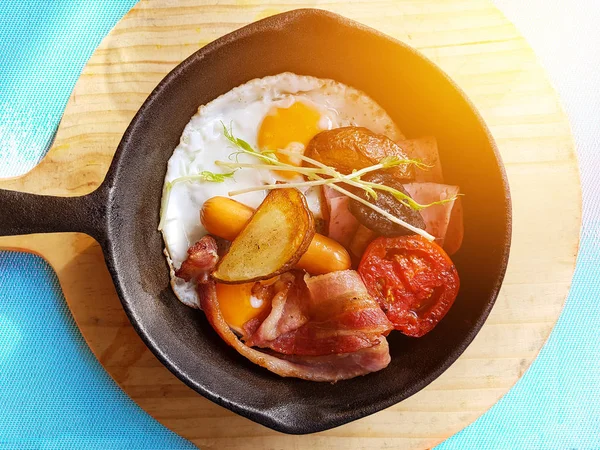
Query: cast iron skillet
x,y
123,213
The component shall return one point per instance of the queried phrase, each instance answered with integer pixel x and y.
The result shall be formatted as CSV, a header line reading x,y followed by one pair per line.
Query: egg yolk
x,y
297,124
238,305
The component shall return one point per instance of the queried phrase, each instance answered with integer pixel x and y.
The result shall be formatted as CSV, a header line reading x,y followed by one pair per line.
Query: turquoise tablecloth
x,y
55,394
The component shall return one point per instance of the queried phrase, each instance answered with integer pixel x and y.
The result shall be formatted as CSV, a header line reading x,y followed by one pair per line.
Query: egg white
x,y
244,108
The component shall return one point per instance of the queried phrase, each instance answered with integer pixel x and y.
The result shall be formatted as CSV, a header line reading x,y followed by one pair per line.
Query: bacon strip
x,y
313,368
344,318
201,261
289,307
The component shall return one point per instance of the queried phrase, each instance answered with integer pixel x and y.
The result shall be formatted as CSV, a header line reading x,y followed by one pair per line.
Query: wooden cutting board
x,y
484,54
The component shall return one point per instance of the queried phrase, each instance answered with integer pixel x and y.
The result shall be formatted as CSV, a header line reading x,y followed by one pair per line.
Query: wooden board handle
x,y
24,213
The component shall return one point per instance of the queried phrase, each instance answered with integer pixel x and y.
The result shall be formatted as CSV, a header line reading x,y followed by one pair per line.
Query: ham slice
x,y
426,150
342,223
361,240
437,218
329,193
456,230
329,368
341,317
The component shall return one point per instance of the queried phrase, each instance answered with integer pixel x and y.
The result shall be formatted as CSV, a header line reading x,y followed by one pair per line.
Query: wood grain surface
x,y
473,42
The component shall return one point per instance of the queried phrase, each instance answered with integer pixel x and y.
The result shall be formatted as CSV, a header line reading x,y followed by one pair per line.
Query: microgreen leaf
x,y
393,161
371,192
389,161
267,156
205,175
164,204
228,133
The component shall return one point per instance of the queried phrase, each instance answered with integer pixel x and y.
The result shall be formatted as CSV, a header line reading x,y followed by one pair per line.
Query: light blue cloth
x,y
55,394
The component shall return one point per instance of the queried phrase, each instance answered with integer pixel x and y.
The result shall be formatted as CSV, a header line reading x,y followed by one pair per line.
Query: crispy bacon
x,y
307,342
340,317
289,307
343,366
330,368
201,261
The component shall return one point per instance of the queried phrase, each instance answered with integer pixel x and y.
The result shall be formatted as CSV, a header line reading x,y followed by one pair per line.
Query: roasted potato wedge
x,y
272,242
354,148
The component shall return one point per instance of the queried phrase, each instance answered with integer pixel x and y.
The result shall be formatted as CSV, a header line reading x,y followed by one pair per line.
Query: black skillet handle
x,y
23,213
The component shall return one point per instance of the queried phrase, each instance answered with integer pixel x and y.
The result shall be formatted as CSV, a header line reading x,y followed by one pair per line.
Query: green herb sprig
x,y
205,175
317,173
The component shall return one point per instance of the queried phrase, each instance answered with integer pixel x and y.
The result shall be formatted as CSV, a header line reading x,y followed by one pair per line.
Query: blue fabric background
x,y
55,394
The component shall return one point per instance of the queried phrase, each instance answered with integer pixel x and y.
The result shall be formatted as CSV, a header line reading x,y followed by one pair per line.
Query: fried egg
x,y
271,113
